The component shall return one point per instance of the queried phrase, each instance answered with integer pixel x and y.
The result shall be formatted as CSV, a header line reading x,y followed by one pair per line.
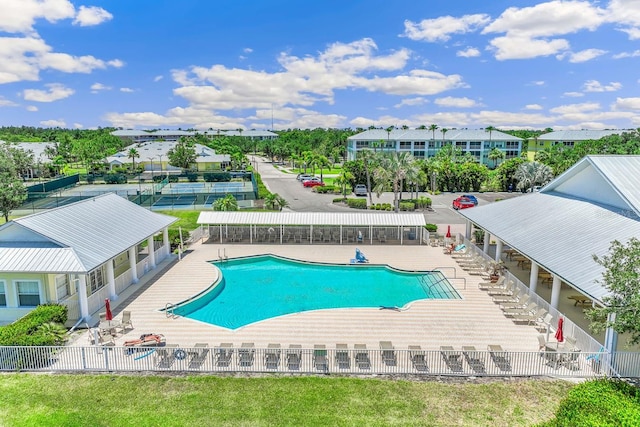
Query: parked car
x,y
462,203
313,182
360,190
302,176
472,198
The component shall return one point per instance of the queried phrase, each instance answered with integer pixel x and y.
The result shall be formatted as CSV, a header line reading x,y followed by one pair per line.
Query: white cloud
x,y
576,108
583,55
633,33
126,90
32,108
470,52
627,54
573,94
54,123
533,107
19,16
596,86
450,101
6,103
158,78
628,104
521,47
411,102
441,29
97,87
625,13
538,82
91,15
55,92
529,30
78,126
247,50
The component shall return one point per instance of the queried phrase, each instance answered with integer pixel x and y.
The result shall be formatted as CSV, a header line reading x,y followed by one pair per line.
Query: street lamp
x,y
160,156
151,160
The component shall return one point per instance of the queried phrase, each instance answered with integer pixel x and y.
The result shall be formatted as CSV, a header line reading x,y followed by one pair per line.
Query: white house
x,y
78,255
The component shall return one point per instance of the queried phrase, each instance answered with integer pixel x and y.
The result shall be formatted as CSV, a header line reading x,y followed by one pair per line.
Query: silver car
x,y
360,190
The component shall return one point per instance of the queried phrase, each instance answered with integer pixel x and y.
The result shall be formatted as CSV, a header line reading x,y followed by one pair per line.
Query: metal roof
x,y
131,132
312,218
427,135
574,217
95,229
39,260
251,133
155,149
577,135
37,148
559,233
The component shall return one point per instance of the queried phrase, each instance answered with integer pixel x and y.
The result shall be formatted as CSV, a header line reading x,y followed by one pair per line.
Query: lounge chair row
x,y
475,359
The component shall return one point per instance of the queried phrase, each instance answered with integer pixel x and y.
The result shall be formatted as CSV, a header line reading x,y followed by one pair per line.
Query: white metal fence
x,y
326,361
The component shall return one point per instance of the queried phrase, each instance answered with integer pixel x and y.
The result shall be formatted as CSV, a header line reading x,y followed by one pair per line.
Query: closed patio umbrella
x,y
447,237
559,333
107,309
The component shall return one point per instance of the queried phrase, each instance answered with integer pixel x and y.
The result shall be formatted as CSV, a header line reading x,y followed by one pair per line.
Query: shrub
x,y
115,178
326,189
27,330
599,403
387,207
174,237
338,200
192,177
357,203
158,178
217,177
431,228
407,206
172,178
423,202
263,192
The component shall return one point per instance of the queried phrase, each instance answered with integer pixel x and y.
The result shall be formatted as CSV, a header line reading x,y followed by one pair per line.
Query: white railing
x,y
123,281
96,300
329,361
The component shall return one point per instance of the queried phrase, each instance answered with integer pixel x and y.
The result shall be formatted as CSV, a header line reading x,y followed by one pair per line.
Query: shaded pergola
x,y
314,228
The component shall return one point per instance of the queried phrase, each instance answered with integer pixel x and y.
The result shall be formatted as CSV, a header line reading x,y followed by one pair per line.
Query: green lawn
x,y
187,219
110,400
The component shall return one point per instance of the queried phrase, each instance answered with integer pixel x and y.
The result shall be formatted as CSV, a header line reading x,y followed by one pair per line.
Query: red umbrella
x,y
107,308
559,333
448,235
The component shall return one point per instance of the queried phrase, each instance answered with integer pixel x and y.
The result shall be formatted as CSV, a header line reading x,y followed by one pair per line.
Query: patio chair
x,y
343,360
508,298
418,358
388,354
272,356
485,286
103,317
223,354
362,356
320,361
198,355
519,311
522,301
544,324
246,353
125,321
572,360
294,356
473,358
452,358
166,355
529,317
507,289
499,357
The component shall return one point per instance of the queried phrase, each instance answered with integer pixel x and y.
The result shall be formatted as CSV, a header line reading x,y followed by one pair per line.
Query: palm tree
x,y
133,154
368,158
531,174
489,129
494,155
227,203
443,130
421,127
433,128
322,162
345,178
393,170
274,201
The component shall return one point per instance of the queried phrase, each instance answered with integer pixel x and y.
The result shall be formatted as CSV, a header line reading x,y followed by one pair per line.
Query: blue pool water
x,y
258,288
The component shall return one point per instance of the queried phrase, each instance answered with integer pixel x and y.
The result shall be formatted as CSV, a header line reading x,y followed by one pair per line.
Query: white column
x,y
498,250
111,281
555,292
152,253
165,240
487,239
533,277
611,336
467,232
42,292
132,264
82,296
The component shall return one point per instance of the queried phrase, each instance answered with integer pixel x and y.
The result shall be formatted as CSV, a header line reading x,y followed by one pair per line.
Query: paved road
x,y
304,200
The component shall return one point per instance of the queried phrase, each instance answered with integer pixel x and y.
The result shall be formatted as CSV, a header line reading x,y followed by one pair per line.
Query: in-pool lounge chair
x,y
246,353
198,355
343,360
320,361
294,356
418,358
362,356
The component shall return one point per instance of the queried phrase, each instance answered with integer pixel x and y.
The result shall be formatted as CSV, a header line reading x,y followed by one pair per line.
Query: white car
x,y
360,190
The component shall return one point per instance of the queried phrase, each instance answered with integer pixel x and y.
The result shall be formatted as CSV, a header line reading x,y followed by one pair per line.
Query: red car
x,y
313,182
463,203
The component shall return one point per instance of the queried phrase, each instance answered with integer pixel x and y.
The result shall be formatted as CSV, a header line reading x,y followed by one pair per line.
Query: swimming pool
x,y
261,287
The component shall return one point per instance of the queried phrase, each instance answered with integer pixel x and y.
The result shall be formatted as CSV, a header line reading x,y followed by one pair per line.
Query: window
x,y
418,145
405,145
461,144
432,144
418,154
3,295
96,280
28,293
62,286
475,145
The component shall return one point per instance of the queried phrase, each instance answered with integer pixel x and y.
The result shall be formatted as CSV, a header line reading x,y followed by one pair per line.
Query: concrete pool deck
x,y
473,320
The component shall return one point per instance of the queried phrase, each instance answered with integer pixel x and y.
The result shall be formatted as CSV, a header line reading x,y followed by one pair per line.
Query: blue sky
x,y
227,64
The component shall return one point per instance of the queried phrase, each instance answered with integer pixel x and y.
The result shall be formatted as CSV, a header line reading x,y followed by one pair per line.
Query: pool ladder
x,y
223,256
168,310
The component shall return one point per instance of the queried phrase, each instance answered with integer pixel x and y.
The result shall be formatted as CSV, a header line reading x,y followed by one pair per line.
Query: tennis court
x,y
52,202
178,201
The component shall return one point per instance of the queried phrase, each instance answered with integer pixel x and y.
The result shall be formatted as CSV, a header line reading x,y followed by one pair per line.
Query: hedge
x,y
357,203
217,177
326,189
115,178
600,403
431,228
24,332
